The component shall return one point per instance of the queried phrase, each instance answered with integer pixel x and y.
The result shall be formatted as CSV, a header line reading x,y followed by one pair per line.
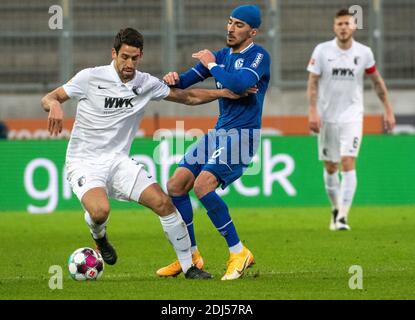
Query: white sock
x,y
347,191
193,249
97,230
176,232
237,248
332,184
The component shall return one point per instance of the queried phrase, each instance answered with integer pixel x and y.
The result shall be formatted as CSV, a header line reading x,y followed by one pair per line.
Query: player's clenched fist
x,y
55,119
205,56
171,78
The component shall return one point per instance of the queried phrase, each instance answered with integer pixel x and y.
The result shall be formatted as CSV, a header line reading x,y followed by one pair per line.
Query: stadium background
x,y
281,212
36,59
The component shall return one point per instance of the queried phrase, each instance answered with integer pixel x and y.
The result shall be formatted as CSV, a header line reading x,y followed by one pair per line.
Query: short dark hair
x,y
343,12
128,36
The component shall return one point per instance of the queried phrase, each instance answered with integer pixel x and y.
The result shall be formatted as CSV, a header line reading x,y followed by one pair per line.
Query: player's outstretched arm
x,y
238,81
201,96
52,103
314,122
382,93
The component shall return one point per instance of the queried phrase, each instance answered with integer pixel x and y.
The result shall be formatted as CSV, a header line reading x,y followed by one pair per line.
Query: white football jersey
x,y
340,90
108,111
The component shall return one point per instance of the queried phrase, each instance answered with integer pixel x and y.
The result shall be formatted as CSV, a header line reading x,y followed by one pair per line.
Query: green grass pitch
x,y
297,257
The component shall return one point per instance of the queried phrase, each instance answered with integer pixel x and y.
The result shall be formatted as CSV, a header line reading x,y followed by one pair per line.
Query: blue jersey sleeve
x,y
195,74
254,67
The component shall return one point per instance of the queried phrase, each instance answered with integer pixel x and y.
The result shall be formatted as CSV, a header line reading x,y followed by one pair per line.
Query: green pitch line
x,y
297,257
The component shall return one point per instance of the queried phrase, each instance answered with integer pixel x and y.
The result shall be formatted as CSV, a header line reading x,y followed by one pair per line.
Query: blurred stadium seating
x,y
36,59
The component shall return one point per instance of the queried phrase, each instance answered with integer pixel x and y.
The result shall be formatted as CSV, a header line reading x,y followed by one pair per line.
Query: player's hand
x,y
205,56
55,119
314,122
389,121
171,78
231,95
251,90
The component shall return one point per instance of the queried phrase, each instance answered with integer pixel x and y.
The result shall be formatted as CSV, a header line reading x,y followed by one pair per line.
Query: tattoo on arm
x,y
312,89
380,89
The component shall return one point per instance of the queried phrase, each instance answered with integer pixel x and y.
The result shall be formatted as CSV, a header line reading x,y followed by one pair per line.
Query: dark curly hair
x,y
128,36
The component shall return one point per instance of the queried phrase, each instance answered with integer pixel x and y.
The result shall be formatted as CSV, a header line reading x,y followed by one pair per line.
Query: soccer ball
x,y
86,264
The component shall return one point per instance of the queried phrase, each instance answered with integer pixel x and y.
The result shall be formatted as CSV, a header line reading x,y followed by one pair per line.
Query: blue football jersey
x,y
251,63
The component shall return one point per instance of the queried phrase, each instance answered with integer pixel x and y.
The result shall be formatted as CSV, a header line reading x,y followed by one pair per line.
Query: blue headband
x,y
249,14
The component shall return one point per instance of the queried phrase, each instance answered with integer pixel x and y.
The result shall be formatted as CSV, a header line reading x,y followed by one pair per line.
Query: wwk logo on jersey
x,y
117,103
342,73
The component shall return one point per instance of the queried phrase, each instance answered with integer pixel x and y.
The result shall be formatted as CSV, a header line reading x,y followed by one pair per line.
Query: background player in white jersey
x,y
335,94
111,101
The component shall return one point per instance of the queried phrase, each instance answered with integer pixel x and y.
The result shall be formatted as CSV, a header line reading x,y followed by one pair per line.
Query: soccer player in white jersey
x,y
335,94
111,101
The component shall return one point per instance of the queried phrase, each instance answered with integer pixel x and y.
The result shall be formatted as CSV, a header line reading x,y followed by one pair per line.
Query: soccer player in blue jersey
x,y
221,156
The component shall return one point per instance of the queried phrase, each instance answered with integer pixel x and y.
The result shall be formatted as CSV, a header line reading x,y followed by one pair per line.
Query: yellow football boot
x,y
238,263
175,269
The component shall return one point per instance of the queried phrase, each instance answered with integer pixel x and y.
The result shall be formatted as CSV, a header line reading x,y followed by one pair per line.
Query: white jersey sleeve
x,y
78,85
159,89
315,64
370,59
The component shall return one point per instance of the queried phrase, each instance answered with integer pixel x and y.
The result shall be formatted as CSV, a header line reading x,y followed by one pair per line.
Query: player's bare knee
x,y
175,187
331,167
348,163
202,187
163,205
100,214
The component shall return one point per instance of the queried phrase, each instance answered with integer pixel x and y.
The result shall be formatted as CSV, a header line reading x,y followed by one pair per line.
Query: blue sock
x,y
219,214
183,204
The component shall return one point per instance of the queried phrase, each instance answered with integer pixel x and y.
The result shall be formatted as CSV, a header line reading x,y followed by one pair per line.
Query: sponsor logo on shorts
x,y
81,181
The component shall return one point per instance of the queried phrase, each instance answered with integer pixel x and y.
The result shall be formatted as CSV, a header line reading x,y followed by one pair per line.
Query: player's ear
x,y
113,54
254,32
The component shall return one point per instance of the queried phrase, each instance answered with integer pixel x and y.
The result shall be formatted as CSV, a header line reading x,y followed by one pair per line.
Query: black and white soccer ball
x,y
86,264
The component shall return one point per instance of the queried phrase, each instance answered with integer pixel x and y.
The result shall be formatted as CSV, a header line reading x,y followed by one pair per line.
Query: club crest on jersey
x,y
239,63
137,90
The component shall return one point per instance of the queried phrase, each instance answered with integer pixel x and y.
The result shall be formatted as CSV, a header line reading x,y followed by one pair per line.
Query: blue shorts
x,y
225,154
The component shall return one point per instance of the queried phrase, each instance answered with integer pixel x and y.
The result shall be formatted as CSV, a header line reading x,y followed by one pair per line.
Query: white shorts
x,y
337,140
123,178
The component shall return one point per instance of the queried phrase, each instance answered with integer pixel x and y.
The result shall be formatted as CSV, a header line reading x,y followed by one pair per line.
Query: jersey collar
x,y
244,50
341,50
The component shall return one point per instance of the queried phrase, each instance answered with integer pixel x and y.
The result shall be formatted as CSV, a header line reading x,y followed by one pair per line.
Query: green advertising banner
x,y
286,172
